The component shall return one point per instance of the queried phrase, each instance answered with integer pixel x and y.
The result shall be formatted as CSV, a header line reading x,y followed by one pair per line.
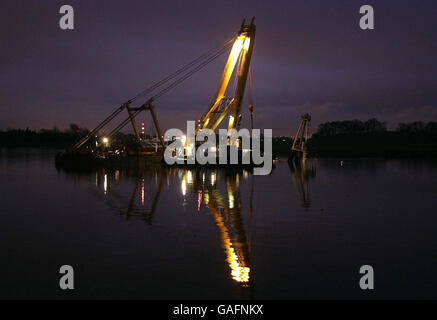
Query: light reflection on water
x,y
175,233
223,206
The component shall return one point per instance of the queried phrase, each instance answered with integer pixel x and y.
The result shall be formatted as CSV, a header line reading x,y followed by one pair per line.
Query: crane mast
x,y
241,52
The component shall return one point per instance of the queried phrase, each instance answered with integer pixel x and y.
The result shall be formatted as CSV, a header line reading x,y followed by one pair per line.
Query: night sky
x,y
310,56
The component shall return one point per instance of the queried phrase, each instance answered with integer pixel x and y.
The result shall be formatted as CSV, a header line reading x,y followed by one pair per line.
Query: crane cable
x,y
101,125
186,67
249,87
190,73
173,85
207,56
123,123
250,97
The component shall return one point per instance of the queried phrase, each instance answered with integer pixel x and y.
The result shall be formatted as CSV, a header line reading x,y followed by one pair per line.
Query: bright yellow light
x,y
238,45
246,44
105,140
184,139
231,121
212,179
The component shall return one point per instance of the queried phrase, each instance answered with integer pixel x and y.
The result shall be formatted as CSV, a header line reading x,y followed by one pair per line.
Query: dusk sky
x,y
309,56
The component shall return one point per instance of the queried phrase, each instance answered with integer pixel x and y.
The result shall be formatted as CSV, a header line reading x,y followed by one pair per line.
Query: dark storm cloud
x,y
310,56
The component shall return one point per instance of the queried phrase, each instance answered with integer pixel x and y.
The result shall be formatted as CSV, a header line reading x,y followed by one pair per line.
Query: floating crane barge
x,y
96,149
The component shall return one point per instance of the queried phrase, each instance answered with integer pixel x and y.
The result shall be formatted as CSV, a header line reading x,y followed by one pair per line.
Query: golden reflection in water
x,y
223,212
240,272
189,177
245,174
208,188
231,200
184,186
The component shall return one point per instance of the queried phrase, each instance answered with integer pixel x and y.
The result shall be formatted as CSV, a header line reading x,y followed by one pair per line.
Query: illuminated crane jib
x,y
241,52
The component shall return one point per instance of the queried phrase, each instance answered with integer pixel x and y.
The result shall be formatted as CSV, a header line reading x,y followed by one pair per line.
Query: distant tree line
x,y
371,138
353,127
350,127
42,138
53,138
418,128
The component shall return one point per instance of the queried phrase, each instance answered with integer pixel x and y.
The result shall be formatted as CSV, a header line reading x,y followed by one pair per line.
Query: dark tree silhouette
x,y
350,127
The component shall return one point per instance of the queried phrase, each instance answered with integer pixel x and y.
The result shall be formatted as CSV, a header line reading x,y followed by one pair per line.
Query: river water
x,y
301,232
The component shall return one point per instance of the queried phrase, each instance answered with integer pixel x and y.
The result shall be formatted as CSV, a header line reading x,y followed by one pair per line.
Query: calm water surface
x,y
302,232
